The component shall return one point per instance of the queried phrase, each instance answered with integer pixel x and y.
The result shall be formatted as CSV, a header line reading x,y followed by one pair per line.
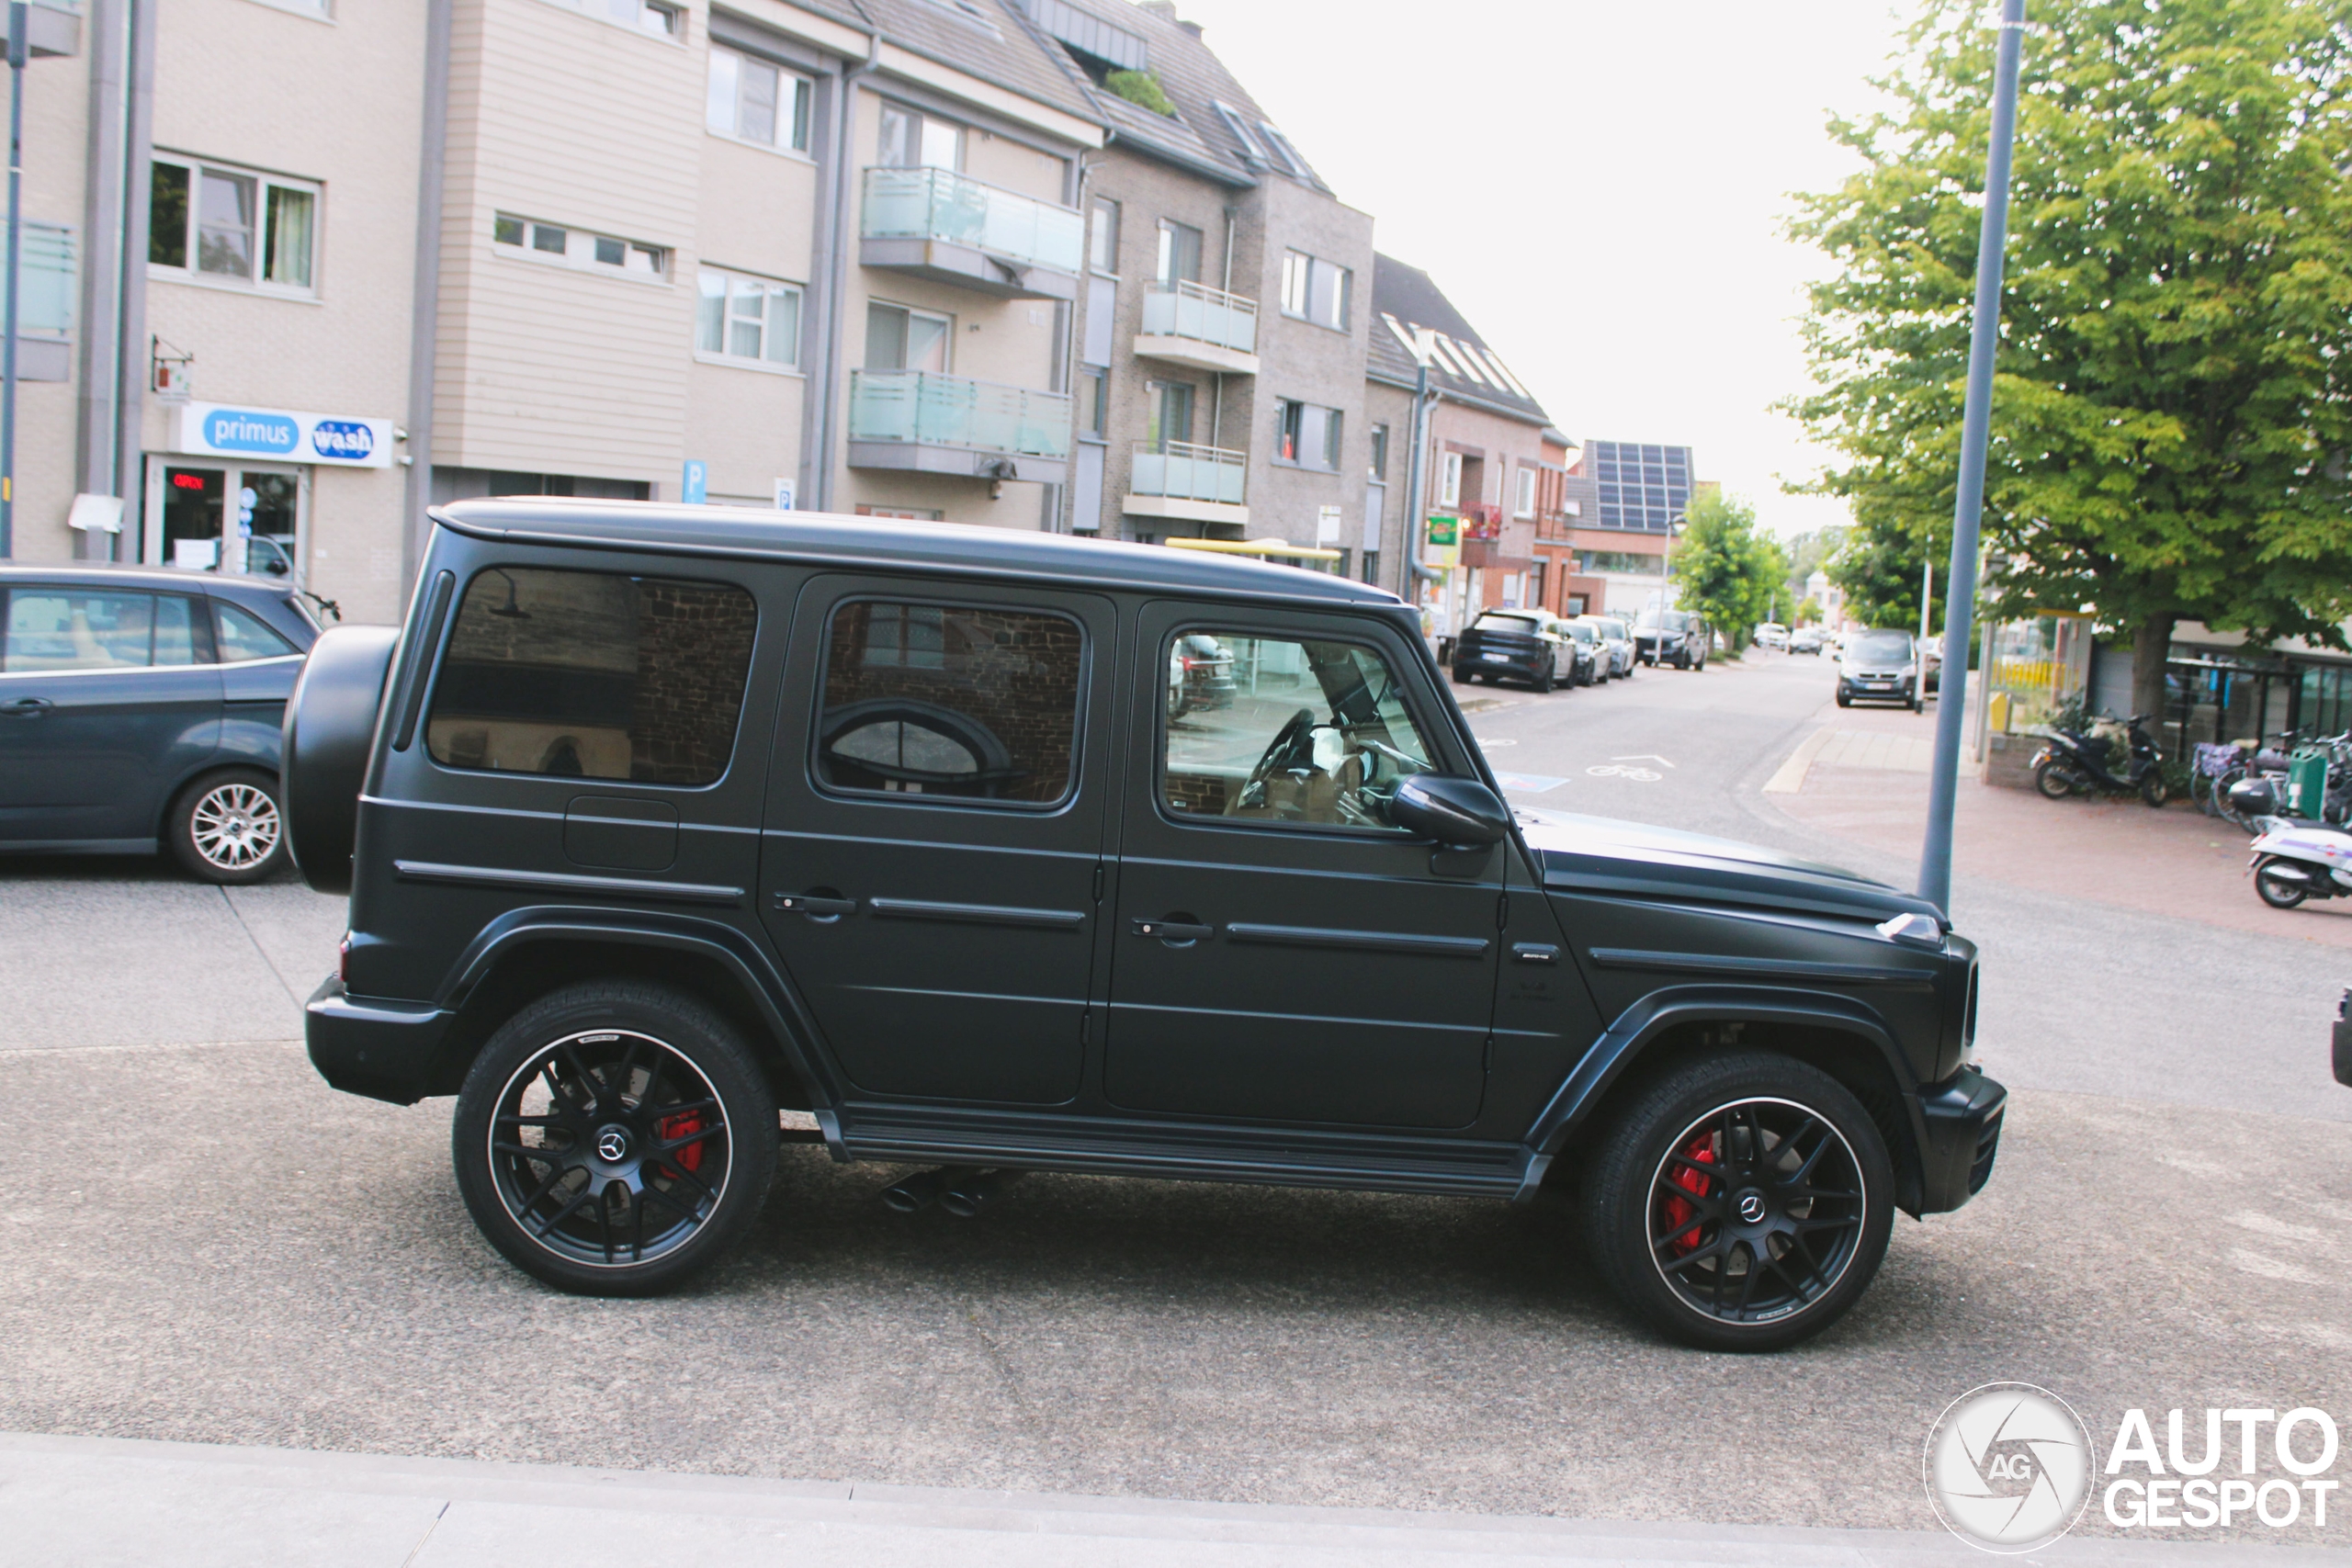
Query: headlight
x,y
1909,671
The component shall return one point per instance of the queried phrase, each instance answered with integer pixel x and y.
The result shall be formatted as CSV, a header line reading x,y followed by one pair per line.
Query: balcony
x,y
937,224
1191,324
1198,484
933,424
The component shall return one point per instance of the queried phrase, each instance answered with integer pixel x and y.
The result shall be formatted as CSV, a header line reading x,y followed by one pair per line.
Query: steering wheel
x,y
1293,738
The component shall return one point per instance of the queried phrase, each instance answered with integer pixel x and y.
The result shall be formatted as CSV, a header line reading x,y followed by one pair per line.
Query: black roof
x,y
867,542
1405,297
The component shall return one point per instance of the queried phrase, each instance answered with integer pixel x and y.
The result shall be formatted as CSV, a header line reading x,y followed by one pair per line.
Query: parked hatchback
x,y
139,711
1616,643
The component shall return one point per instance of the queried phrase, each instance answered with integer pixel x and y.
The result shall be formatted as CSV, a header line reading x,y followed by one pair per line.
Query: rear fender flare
x,y
787,1021
1642,1025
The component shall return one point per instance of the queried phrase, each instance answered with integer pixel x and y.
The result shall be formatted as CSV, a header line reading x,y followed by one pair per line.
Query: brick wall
x,y
693,653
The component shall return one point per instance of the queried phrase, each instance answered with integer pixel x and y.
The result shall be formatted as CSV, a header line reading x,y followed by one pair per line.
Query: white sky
x,y
1597,185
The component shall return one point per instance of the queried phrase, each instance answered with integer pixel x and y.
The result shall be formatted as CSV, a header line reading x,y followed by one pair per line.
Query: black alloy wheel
x,y
1742,1202
2279,892
612,1137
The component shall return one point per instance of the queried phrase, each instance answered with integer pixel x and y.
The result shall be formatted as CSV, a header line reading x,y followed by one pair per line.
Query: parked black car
x,y
1519,645
1680,638
139,710
672,815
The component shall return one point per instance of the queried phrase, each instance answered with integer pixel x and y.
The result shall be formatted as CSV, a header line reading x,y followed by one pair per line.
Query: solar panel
x,y
1642,487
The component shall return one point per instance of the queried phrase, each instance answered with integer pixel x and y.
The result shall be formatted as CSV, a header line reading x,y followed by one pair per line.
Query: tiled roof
x,y
1241,147
1462,366
981,38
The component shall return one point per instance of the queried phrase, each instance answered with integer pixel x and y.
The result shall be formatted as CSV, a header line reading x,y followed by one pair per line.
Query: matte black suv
x,y
656,819
139,710
1680,638
1522,645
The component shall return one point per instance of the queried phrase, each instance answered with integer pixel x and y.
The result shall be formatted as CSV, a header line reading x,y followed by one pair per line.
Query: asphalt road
x,y
205,1243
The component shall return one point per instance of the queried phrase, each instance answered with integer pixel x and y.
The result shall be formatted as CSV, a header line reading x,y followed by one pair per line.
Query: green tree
x,y
1879,568
1725,569
1808,552
2174,384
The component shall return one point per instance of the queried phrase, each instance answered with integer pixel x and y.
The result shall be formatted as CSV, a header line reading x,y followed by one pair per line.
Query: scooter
x,y
2294,858
2071,763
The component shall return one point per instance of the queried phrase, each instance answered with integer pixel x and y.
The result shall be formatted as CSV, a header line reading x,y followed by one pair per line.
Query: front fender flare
x,y
1640,1025
780,1007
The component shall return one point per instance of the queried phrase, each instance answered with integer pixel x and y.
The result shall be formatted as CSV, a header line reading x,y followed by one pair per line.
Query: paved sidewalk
x,y
1861,774
96,1501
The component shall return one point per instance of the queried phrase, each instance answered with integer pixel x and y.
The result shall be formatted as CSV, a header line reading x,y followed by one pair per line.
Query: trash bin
x,y
2306,782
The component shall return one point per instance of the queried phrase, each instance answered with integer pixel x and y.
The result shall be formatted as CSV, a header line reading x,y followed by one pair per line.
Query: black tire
x,y
649,1069
2279,895
1845,698
2153,790
228,827
2054,779
1823,1188
1462,677
1546,680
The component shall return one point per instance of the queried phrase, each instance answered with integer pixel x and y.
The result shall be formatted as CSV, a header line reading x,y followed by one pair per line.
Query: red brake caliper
x,y
669,1127
1701,1150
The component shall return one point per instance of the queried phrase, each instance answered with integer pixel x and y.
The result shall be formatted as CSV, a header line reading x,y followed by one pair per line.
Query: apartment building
x,y
1223,327
1485,470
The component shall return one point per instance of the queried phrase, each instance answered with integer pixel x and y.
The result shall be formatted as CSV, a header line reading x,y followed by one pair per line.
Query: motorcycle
x,y
2294,858
2083,763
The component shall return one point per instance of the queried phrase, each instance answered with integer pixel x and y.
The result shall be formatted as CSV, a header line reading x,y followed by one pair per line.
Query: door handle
x,y
27,707
815,906
1172,930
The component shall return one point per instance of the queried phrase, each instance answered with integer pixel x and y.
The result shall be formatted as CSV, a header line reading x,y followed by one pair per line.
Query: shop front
x,y
234,494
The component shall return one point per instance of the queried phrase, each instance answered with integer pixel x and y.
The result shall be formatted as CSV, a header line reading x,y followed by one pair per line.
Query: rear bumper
x,y
1961,1119
372,1047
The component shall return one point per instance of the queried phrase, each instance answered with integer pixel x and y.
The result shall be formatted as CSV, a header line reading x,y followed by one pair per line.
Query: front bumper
x,y
1961,1132
372,1047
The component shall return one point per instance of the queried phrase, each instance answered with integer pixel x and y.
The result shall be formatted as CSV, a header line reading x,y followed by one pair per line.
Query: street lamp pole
x,y
19,25
1960,594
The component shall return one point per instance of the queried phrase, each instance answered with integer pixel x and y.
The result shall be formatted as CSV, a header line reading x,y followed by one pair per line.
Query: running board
x,y
1175,1151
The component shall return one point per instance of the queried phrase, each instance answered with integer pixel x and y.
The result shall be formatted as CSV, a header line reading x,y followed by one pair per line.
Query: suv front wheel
x,y
1741,1202
613,1137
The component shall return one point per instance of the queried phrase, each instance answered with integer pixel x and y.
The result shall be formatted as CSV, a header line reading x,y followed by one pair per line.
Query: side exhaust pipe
x,y
923,1188
970,1194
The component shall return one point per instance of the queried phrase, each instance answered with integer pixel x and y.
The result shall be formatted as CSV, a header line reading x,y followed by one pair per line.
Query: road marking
x,y
1528,783
1644,758
1789,779
1486,741
1614,771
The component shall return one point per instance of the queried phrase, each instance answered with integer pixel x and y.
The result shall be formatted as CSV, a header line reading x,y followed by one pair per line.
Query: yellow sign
x,y
1442,558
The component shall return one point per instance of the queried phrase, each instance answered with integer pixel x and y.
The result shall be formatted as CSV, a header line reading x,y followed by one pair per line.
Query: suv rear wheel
x,y
613,1137
1741,1202
227,827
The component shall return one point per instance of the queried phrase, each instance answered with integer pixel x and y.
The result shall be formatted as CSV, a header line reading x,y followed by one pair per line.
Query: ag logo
x,y
2010,1467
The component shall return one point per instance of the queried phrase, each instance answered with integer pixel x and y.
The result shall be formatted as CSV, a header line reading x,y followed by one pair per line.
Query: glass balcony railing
x,y
1185,472
1203,315
924,408
940,204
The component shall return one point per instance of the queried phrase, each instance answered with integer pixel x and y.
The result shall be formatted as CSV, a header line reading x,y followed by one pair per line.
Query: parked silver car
x,y
1617,645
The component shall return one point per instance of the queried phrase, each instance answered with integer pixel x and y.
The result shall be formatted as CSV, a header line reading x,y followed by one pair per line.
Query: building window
x,y
1180,252
1102,242
1525,506
753,101
1093,400
750,320
652,18
1168,415
46,280
1284,155
1307,435
912,141
1449,485
1315,290
228,226
1371,566
564,246
899,339
1379,455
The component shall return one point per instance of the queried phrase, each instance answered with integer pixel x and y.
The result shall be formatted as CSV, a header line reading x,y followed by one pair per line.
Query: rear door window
x,y
246,637
588,674
51,629
954,700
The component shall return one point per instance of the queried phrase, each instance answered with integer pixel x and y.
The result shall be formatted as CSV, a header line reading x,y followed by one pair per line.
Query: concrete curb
x,y
95,1502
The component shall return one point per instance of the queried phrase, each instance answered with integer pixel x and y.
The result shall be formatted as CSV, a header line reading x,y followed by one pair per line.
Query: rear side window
x,y
591,674
949,700
72,628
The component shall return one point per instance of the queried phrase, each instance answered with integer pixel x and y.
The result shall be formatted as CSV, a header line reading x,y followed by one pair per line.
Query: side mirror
x,y
1459,812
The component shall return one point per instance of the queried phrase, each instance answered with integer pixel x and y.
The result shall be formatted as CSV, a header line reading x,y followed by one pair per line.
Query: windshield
x,y
1672,620
1613,630
1494,622
1579,631
1881,648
